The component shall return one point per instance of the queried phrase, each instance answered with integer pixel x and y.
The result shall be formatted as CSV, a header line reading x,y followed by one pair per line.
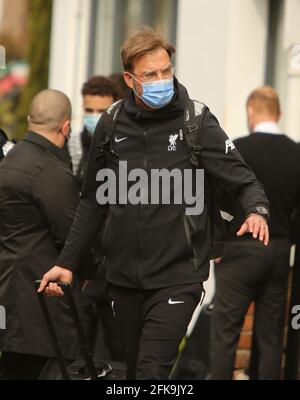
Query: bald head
x,y
263,105
48,110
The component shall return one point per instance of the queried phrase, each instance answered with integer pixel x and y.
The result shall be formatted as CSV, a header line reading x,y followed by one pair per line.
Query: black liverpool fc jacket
x,y
156,245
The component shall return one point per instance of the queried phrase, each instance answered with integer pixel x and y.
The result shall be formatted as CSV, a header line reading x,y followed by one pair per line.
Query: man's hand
x,y
217,260
55,274
257,225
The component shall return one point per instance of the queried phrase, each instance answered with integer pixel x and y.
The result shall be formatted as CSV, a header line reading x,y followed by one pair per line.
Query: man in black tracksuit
x,y
157,256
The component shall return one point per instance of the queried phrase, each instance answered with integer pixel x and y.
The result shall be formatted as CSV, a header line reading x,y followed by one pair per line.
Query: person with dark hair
x,y
124,89
98,94
156,252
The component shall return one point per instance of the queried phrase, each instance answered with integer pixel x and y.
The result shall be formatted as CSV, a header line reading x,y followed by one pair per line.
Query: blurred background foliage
x,y
31,52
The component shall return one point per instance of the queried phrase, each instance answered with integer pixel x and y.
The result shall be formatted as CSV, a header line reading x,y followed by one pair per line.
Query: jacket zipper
x,y
107,223
193,255
145,162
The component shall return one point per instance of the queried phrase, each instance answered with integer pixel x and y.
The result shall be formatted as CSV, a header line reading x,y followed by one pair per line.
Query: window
x,y
276,65
113,20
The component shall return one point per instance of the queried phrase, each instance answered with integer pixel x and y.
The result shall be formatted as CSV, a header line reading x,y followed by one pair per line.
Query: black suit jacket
x,y
38,200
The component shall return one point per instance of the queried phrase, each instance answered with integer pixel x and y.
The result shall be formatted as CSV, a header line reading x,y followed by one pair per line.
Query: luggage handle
x,y
65,287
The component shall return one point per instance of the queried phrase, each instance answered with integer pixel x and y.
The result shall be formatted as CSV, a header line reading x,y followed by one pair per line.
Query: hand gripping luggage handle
x,y
52,333
65,287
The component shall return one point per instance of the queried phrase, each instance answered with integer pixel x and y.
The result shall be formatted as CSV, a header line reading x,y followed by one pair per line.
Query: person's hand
x,y
257,225
55,274
217,260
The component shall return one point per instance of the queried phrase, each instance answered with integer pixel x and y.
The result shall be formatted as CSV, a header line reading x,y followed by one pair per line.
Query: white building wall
x,y
70,38
246,60
221,55
291,38
201,59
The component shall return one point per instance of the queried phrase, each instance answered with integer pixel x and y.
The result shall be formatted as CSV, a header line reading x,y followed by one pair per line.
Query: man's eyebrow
x,y
157,70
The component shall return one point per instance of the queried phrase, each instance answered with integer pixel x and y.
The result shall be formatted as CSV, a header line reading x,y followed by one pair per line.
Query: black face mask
x,y
67,138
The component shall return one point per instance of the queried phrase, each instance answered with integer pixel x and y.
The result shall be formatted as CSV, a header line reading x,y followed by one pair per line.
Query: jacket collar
x,y
267,127
41,141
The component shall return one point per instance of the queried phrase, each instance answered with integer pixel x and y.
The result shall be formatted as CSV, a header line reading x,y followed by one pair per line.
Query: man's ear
x,y
66,128
250,111
128,79
28,119
250,118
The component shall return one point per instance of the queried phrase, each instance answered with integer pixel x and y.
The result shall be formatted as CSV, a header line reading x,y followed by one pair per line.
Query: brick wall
x,y
244,346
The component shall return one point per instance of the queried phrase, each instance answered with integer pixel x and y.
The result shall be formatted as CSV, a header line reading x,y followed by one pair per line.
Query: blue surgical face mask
x,y
157,94
90,121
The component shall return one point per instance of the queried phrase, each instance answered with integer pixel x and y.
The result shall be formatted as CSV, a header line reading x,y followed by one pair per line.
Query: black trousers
x,y
100,323
248,272
18,366
152,324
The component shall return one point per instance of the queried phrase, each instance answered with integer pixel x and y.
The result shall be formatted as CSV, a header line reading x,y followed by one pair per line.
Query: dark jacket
x,y
38,199
275,160
154,246
86,140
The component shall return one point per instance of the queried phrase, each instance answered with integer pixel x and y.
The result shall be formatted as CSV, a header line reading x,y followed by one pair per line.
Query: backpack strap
x,y
113,111
193,117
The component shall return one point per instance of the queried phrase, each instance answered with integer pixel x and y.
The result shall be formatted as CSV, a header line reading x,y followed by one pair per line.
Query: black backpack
x,y
193,117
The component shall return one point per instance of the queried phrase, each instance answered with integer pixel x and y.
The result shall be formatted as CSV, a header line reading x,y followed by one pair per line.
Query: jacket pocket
x,y
188,227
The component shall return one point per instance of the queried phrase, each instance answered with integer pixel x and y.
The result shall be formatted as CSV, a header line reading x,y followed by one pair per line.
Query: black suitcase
x,y
85,369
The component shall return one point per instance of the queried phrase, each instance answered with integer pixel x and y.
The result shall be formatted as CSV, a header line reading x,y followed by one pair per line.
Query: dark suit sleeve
x,y
90,216
296,219
222,161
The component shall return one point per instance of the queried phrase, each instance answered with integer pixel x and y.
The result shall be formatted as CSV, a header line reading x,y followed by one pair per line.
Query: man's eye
x,y
168,71
150,75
